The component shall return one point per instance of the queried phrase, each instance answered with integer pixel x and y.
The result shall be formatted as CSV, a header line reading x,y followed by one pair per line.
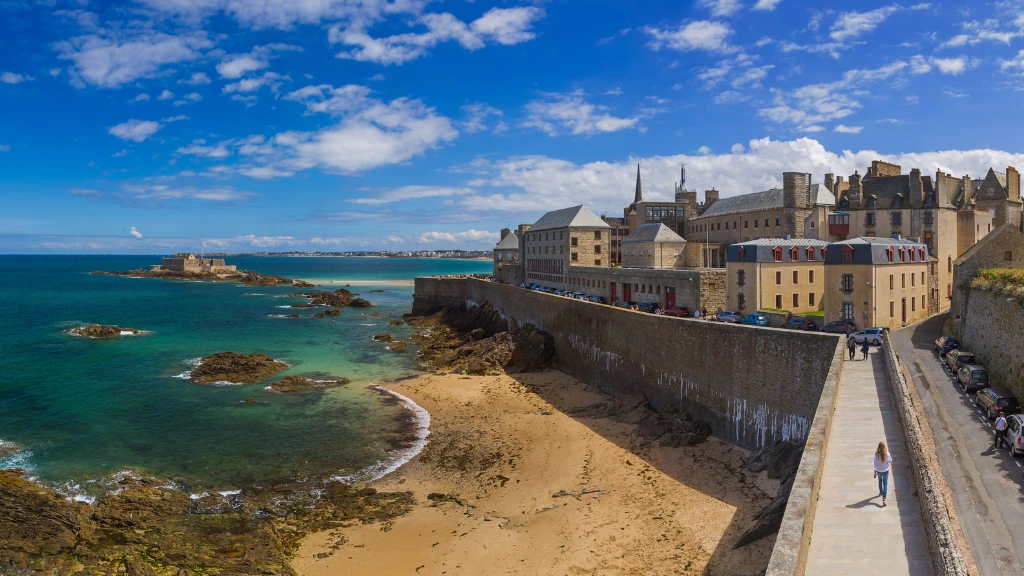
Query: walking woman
x,y
883,462
864,349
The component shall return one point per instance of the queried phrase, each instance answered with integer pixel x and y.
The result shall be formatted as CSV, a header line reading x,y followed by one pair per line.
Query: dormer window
x,y
871,203
903,254
890,254
923,257
897,202
913,255
847,255
810,253
777,254
740,253
794,254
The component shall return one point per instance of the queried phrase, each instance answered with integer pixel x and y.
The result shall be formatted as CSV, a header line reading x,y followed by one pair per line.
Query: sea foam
x,y
398,457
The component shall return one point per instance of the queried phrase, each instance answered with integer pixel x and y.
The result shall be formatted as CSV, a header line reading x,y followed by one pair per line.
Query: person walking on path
x,y
864,349
696,313
883,462
704,313
851,345
1001,431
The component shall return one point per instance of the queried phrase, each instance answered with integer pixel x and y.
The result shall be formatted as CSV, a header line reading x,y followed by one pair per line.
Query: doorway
x,y
904,311
613,295
625,292
670,297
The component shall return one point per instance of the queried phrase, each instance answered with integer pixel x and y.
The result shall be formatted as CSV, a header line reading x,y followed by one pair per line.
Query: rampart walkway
x,y
852,533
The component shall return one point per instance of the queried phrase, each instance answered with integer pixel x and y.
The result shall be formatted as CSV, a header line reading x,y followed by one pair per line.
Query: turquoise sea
x,y
82,409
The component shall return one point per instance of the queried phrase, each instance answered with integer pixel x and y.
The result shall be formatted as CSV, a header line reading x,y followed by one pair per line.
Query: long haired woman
x,y
883,462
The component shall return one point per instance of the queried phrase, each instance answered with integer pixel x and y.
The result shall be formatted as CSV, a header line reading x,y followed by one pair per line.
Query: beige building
x,y
559,239
776,275
876,282
506,257
939,213
692,289
189,263
672,214
1003,248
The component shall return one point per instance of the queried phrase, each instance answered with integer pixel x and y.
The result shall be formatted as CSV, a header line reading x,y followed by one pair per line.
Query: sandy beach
x,y
343,283
511,484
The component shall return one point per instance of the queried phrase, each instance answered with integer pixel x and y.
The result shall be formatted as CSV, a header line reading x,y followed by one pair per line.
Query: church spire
x,y
639,192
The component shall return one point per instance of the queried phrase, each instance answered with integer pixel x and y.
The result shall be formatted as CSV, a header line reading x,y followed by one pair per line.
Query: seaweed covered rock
x,y
237,368
290,384
360,303
396,322
103,331
332,312
383,337
397,346
35,521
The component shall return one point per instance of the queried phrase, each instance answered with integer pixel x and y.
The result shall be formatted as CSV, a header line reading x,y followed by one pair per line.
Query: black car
x,y
799,324
626,305
945,344
598,299
840,327
995,401
648,307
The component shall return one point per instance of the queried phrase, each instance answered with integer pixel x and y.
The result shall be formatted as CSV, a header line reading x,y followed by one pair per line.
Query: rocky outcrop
x,y
332,312
383,337
290,384
480,341
669,428
338,299
396,322
781,461
397,346
146,529
360,303
236,368
246,277
102,331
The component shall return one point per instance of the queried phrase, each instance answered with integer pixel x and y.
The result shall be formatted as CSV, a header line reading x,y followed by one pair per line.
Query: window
x,y
796,300
766,222
847,255
869,219
891,284
847,282
794,253
756,222
572,241
546,249
912,280
903,254
921,252
777,254
778,301
810,279
597,249
890,254
892,309
574,257
810,299
848,311
913,304
1008,255
778,278
643,288
545,236
812,223
597,234
719,226
896,218
650,288
897,202
597,262
746,223
657,289
810,254
949,263
740,252
796,277
929,218
922,303
922,278
778,221
741,277
561,249
903,280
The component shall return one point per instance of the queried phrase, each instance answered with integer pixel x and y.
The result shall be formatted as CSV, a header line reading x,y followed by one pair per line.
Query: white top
x,y
883,466
1000,423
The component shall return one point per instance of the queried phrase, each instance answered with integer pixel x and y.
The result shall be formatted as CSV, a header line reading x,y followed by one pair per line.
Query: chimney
x,y
916,199
1012,184
830,182
710,197
505,232
855,191
796,190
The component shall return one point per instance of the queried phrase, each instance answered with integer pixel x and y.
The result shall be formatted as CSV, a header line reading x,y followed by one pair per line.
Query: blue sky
x,y
151,126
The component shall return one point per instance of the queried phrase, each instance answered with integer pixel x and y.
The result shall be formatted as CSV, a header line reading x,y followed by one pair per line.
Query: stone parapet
x,y
942,526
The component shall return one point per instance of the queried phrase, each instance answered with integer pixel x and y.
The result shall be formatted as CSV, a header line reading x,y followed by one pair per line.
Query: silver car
x,y
1014,433
869,335
731,317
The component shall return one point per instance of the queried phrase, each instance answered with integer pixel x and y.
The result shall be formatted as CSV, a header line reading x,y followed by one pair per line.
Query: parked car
x,y
648,307
840,327
870,335
1015,433
731,317
972,377
598,299
626,305
755,319
678,312
995,401
799,324
946,343
957,358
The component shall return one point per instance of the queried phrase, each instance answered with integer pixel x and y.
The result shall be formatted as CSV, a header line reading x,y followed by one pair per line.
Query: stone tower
x,y
796,190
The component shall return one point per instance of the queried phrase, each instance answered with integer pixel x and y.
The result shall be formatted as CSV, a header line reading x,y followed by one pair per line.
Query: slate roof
x,y
762,250
767,200
510,242
990,237
870,250
885,189
656,232
574,217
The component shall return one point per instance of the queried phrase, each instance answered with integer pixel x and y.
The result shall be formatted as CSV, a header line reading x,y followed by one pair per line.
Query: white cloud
x,y
412,193
112,58
476,117
134,130
737,148
722,7
197,79
477,236
177,118
763,41
5,147
954,66
505,26
557,113
919,65
751,77
237,66
617,91
266,241
141,98
953,93
157,193
991,30
269,79
199,148
766,4
165,95
699,35
851,25
1015,64
844,129
135,233
285,14
12,78
704,150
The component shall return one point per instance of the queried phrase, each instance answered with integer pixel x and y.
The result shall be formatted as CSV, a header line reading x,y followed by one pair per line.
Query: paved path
x,y
852,533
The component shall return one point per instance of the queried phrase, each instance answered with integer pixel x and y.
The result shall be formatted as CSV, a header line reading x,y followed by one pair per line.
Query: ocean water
x,y
82,409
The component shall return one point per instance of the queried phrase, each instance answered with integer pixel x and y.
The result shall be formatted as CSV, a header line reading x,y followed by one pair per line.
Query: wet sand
x,y
343,283
522,488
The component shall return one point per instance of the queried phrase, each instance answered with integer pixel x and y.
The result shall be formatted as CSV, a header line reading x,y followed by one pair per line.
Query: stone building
x,y
559,239
617,231
654,246
506,257
937,212
692,289
876,282
1003,248
189,263
999,195
797,210
776,275
672,214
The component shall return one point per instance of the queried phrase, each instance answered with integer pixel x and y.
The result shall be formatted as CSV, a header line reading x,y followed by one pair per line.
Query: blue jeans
x,y
883,484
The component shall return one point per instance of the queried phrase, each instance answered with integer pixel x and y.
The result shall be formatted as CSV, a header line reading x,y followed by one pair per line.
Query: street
x,y
986,483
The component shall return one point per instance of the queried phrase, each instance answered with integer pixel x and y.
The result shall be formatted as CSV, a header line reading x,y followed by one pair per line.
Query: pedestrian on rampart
x,y
883,463
851,345
864,349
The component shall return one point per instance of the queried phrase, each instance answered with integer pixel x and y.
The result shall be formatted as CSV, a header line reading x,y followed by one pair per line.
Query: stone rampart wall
x,y
992,327
753,386
431,294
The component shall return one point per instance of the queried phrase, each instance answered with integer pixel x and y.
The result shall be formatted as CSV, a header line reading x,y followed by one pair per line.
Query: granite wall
x,y
993,328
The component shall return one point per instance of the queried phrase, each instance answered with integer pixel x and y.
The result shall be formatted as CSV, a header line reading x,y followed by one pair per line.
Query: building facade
x,y
999,195
506,258
692,289
559,239
776,275
674,215
1003,248
876,282
189,263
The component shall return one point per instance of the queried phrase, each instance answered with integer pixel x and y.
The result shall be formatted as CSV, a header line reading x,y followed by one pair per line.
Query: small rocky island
x,y
103,331
340,298
236,368
290,384
188,267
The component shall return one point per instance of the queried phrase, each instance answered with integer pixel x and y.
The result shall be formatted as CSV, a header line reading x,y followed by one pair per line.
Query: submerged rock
x,y
332,312
360,303
396,322
102,331
290,384
383,337
397,346
232,367
318,315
